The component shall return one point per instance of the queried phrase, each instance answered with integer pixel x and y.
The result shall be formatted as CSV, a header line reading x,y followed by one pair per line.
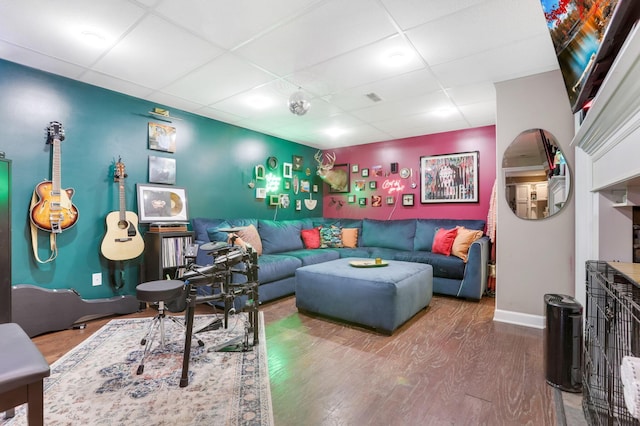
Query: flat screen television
x,y
587,36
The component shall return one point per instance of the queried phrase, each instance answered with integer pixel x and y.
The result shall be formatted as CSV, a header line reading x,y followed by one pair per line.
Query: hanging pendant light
x,y
298,104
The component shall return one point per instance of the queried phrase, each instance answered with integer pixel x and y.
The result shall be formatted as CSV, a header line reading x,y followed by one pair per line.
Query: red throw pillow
x,y
311,238
443,241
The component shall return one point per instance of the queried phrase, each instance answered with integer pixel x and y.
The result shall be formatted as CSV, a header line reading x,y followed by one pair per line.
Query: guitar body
x,y
53,213
122,240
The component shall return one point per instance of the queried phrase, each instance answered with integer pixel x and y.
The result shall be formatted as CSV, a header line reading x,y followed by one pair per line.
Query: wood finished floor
x,y
449,365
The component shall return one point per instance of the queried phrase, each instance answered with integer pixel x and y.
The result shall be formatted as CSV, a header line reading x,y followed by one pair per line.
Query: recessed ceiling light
x,y
398,58
444,112
93,38
334,132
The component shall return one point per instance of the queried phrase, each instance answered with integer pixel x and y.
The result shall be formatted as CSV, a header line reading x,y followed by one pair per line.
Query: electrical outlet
x,y
96,279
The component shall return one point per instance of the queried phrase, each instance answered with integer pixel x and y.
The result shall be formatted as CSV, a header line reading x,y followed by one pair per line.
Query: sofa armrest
x,y
476,272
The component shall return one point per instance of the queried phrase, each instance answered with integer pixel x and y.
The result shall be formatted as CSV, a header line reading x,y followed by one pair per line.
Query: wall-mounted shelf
x,y
163,117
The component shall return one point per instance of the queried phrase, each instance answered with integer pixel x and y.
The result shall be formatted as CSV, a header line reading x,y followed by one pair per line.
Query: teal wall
x,y
215,163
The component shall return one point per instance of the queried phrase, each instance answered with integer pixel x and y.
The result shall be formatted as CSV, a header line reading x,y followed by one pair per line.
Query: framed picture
x,y
407,199
365,173
376,171
376,201
274,200
339,177
362,201
359,185
351,199
450,178
287,185
162,137
259,171
162,170
161,203
354,168
391,200
305,185
298,162
373,184
315,188
298,205
261,193
287,170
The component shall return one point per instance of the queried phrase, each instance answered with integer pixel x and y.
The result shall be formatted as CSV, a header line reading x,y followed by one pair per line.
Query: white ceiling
x,y
217,58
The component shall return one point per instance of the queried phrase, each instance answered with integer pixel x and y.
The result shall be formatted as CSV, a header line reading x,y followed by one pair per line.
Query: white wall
x,y
533,257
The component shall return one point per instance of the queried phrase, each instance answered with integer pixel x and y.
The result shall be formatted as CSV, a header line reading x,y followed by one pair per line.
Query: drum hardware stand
x,y
221,272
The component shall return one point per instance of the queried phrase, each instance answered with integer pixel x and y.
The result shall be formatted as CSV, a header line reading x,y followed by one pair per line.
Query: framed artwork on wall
x,y
351,199
407,199
162,137
365,172
298,161
376,201
162,170
450,178
287,170
373,184
391,200
354,168
161,203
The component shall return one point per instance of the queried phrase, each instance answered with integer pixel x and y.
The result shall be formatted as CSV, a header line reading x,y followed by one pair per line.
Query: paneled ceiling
x,y
429,65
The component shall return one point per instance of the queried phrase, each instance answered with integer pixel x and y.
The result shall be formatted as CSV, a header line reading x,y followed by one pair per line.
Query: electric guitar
x,y
53,212
122,240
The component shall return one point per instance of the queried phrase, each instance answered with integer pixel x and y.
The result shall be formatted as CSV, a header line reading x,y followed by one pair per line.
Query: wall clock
x,y
272,163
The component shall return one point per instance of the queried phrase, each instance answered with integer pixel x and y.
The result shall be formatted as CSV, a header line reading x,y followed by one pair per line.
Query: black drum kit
x,y
228,261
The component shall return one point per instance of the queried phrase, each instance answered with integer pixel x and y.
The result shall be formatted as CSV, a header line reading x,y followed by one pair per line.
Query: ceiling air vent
x,y
373,97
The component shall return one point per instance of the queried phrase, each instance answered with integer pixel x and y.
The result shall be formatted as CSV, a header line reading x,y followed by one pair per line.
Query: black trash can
x,y
563,342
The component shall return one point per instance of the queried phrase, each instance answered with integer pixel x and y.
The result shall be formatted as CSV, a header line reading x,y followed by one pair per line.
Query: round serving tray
x,y
368,264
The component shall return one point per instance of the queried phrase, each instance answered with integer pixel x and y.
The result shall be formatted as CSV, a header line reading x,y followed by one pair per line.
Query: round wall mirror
x,y
536,176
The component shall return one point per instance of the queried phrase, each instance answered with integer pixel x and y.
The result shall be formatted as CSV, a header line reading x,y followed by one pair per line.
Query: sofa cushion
x,y
200,225
351,252
446,266
273,267
463,241
393,234
330,237
214,233
443,241
311,257
280,235
311,238
426,229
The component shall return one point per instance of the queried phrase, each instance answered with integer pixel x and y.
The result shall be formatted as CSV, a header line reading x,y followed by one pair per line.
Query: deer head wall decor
x,y
336,178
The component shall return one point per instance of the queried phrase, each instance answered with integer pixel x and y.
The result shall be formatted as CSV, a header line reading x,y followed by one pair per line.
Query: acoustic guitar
x,y
122,240
53,212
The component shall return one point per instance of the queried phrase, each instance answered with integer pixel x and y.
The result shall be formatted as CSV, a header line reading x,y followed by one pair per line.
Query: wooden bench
x,y
22,371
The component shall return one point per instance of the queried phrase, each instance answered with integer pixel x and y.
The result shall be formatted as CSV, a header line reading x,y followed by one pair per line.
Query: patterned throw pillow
x,y
330,237
311,238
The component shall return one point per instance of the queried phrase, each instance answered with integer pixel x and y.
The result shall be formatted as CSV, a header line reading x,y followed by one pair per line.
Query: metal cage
x,y
612,331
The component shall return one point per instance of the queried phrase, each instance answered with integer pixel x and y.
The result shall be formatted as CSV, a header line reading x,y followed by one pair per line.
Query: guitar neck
x,y
55,168
123,213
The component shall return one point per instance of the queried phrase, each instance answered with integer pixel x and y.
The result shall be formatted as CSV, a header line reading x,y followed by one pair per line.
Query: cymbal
x,y
235,229
215,245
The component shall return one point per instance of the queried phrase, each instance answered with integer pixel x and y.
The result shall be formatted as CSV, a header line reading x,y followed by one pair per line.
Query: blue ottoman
x,y
382,298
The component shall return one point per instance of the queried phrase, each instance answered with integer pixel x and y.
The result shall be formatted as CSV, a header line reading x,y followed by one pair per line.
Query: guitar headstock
x,y
55,132
119,172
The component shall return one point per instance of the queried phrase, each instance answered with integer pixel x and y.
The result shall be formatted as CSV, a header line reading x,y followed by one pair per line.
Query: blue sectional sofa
x,y
408,240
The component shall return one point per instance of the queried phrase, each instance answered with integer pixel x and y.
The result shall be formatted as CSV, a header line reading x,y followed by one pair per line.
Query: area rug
x,y
96,383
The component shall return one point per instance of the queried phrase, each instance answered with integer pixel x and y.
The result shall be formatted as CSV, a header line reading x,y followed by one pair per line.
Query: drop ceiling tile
x,y
170,102
115,84
473,93
154,54
477,29
417,125
411,13
39,61
361,66
480,114
411,106
56,30
331,29
519,59
221,78
392,89
230,23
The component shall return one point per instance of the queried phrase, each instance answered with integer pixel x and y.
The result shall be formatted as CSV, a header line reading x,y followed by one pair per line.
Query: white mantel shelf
x,y
610,131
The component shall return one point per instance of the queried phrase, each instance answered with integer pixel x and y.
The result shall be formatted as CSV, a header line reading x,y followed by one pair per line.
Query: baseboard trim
x,y
518,318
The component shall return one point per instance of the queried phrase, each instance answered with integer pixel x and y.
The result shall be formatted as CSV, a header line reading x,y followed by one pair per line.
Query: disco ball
x,y
298,104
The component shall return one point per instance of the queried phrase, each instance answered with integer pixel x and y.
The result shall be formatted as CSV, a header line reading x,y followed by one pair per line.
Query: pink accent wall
x,y
407,153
